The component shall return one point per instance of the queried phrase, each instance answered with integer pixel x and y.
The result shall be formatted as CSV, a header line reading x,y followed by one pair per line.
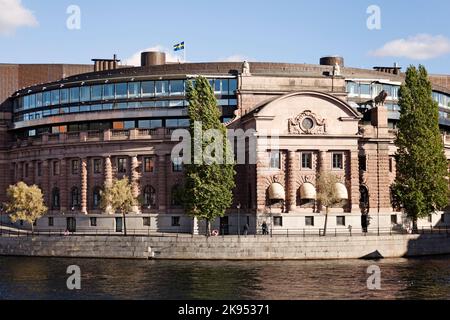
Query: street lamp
x,y
239,219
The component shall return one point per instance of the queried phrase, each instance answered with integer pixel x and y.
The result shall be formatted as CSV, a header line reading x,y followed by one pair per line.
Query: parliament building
x,y
71,128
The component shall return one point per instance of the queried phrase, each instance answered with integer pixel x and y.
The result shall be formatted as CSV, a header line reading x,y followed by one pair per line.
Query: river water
x,y
43,278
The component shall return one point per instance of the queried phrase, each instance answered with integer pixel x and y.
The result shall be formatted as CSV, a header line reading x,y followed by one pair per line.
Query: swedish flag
x,y
179,46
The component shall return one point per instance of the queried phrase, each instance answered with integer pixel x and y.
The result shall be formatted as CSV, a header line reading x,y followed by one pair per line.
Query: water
x,y
42,278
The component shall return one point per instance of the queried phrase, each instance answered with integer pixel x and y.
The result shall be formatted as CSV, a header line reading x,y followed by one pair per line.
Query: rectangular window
x,y
309,221
55,97
307,160
443,218
338,161
365,89
176,222
51,222
108,91
38,100
232,87
146,221
64,96
96,92
275,160
27,166
177,88
278,221
75,167
128,125
121,90
394,219
93,221
162,88
39,169
75,94
97,166
47,99
56,168
177,164
85,94
340,221
32,101
430,218
134,89
391,164
150,124
122,165
362,163
148,89
149,164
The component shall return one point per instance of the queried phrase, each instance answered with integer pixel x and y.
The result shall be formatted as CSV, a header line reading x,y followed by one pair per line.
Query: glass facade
x,y
117,96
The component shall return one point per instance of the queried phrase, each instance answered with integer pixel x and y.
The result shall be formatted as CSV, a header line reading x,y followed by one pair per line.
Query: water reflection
x,y
36,278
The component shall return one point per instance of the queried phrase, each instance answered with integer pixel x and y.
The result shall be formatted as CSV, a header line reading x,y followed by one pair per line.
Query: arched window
x,y
75,197
175,196
55,199
149,197
96,197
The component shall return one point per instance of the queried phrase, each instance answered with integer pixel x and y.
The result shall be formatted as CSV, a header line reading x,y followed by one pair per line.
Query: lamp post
x,y
239,219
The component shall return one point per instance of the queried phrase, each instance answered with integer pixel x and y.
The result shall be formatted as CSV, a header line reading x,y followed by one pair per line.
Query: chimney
x,y
105,64
153,58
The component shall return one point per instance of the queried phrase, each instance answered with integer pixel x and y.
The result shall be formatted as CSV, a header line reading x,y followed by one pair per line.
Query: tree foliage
x,y
25,203
327,193
208,186
421,186
118,197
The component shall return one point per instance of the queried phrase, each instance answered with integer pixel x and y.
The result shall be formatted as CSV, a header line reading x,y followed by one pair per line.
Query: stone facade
x,y
317,129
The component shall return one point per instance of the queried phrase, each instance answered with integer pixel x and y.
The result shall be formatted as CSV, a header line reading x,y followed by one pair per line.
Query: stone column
x,y
354,181
64,188
135,176
108,179
162,183
84,186
291,200
323,161
46,183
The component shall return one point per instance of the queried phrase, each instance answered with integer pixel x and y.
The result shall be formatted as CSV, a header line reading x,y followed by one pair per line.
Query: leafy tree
x,y
209,184
26,203
327,194
421,186
118,197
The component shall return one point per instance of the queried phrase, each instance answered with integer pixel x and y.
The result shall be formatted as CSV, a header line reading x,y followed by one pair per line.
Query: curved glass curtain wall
x,y
367,91
116,96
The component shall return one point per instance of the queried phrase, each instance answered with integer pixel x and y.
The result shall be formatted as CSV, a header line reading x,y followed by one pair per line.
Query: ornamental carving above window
x,y
307,123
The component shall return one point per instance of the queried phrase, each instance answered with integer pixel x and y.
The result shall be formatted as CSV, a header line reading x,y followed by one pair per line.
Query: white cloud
x,y
14,15
418,47
235,58
135,59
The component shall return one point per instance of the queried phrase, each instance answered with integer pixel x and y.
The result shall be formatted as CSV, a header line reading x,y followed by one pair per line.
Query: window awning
x,y
276,192
342,191
308,192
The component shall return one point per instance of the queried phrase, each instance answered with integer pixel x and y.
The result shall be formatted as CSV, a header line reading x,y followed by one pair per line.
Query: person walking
x,y
265,229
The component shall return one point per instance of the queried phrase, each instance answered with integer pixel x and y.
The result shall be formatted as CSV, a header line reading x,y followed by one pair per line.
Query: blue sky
x,y
279,31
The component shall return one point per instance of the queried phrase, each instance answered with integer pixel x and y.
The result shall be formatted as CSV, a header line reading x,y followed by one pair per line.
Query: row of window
x,y
114,91
356,89
146,222
306,160
309,221
148,166
30,116
148,198
371,89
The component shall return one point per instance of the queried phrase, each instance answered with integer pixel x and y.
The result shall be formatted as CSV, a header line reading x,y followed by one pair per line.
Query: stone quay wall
x,y
227,248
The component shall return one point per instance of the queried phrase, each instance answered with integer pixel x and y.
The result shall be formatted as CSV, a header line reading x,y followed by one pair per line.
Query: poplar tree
x,y
421,186
208,190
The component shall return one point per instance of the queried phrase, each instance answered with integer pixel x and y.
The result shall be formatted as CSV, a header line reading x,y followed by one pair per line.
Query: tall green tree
x,y
25,203
208,190
118,197
421,186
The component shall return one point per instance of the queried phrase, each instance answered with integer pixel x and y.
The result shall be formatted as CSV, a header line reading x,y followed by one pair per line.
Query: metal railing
x,y
332,232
